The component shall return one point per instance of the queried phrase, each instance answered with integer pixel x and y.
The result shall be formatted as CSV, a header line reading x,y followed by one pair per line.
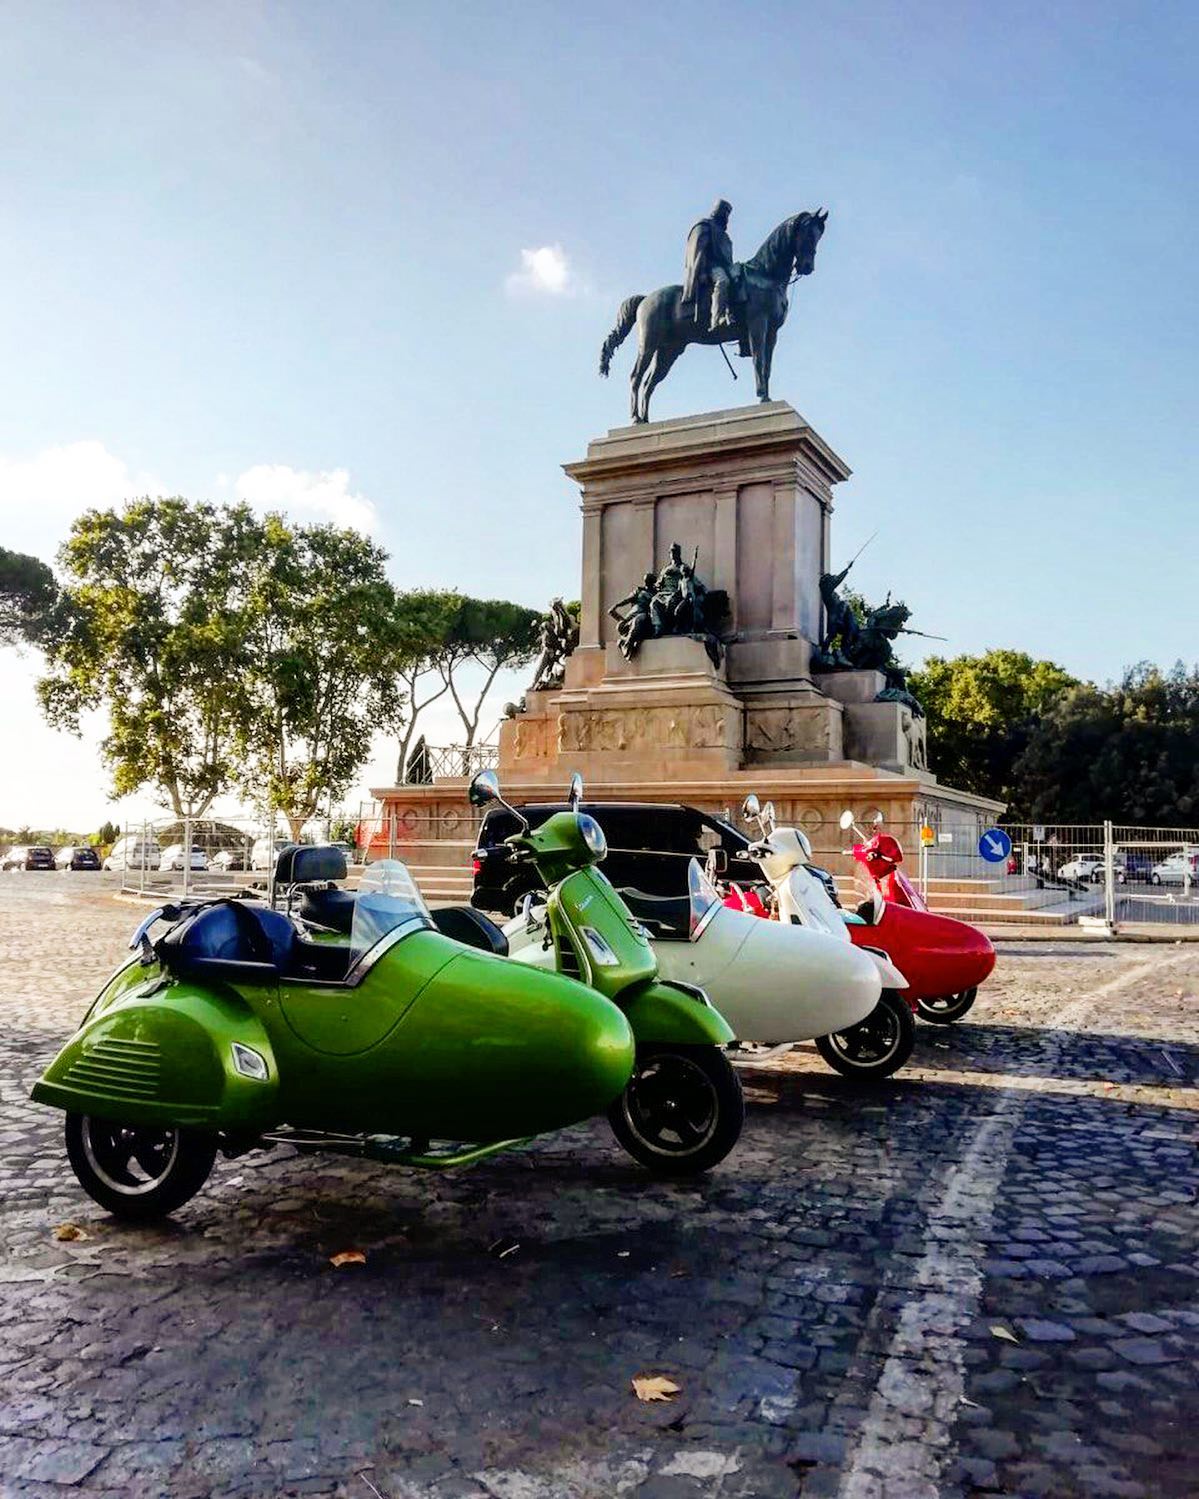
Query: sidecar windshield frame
x,y
389,907
704,899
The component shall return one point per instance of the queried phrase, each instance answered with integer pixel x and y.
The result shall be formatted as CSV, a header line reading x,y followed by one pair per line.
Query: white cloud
x,y
323,496
546,270
42,495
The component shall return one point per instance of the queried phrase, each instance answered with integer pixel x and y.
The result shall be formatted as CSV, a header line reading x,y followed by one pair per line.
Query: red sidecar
x,y
944,960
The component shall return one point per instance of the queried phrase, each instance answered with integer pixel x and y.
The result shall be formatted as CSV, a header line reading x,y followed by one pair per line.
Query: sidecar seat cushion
x,y
229,932
465,924
667,916
331,908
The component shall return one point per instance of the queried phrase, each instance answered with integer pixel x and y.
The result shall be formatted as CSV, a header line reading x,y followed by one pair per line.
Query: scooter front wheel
x,y
137,1171
876,1046
682,1110
945,1011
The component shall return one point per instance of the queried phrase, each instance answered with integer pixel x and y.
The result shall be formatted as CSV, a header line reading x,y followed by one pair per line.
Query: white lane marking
x,y
923,1376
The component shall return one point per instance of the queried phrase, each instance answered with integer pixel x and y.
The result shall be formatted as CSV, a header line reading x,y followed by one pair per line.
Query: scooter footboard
x,y
666,1012
179,1056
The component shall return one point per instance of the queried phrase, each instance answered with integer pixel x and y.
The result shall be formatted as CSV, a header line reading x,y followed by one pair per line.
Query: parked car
x,y
266,852
650,845
173,855
1178,868
134,852
29,856
77,856
228,859
1134,864
348,849
1083,867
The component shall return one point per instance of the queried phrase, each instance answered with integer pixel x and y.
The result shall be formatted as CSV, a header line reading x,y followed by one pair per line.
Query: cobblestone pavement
x,y
981,1277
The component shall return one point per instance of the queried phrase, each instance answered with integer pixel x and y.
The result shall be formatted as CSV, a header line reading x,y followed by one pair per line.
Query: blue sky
x,y
277,250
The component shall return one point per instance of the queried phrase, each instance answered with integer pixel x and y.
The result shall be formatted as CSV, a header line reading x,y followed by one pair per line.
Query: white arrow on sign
x,y
995,845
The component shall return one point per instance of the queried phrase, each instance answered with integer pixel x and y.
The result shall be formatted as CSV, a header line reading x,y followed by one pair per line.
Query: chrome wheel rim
x,y
127,1159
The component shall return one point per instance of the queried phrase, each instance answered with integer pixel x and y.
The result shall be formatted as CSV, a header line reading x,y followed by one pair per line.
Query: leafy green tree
x,y
424,621
322,647
151,627
1128,752
109,833
981,711
490,634
28,594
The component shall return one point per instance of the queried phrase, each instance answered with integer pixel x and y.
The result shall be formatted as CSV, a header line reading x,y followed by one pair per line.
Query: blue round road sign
x,y
995,846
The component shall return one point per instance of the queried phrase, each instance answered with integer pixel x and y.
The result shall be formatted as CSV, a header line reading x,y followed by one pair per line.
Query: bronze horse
x,y
665,327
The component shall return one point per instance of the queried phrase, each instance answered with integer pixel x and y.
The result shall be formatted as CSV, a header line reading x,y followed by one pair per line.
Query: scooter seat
x,y
330,908
665,915
465,924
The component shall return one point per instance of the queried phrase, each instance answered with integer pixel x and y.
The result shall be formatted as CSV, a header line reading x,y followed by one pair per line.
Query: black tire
x,y
876,1046
945,1011
134,1171
1155,879
682,1110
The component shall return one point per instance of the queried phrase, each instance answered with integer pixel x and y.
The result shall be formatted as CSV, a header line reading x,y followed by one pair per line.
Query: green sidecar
x,y
237,1029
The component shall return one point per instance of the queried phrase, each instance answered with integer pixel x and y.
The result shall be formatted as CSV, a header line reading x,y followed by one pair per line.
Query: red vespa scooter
x,y
944,960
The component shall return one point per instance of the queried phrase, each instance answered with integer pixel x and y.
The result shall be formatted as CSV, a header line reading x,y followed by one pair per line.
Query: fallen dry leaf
x,y
70,1231
649,1387
347,1257
1005,1333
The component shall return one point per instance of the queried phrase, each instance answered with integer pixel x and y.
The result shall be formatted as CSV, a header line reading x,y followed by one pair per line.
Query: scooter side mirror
x,y
877,820
768,813
574,792
751,808
845,821
484,788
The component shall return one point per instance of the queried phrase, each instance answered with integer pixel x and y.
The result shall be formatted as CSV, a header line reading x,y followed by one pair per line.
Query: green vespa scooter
x,y
682,1111
237,1028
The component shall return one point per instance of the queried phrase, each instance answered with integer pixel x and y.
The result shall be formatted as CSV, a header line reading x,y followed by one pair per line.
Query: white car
x,y
1083,867
1178,869
133,852
173,856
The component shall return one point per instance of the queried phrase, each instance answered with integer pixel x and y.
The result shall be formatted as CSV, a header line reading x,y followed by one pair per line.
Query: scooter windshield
x,y
704,898
387,900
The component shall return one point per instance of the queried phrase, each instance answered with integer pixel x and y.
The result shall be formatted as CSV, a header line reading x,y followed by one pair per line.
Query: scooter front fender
x,y
887,971
177,1054
666,1012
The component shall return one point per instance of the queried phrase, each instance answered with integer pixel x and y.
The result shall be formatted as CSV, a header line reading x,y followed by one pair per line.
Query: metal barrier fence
x,y
1110,874
182,857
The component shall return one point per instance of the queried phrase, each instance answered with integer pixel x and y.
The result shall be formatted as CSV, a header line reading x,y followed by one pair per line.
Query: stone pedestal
x,y
886,734
752,490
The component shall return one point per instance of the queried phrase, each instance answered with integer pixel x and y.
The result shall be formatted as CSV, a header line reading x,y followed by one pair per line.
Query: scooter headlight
x,y
593,836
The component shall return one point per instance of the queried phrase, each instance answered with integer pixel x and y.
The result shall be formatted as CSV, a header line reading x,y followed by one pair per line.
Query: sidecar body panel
x,y
774,982
169,1053
937,955
483,1049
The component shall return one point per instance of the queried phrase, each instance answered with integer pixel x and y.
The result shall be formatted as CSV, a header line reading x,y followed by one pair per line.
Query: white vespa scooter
x,y
774,984
884,1041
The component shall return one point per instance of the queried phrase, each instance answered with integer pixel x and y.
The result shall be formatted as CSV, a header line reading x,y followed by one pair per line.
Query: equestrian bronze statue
x,y
722,301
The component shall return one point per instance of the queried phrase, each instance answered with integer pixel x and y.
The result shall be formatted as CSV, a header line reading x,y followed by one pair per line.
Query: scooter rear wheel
x,y
136,1171
945,1011
682,1110
876,1046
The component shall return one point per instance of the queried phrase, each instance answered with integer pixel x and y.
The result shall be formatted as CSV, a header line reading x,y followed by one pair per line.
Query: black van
x,y
649,847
